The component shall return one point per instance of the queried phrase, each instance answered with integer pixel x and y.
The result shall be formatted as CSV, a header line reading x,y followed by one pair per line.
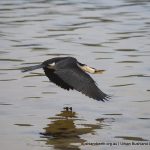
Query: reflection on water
x,y
131,138
129,61
26,125
64,133
34,75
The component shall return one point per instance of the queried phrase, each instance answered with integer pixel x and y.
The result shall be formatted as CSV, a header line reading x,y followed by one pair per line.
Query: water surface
x,y
111,35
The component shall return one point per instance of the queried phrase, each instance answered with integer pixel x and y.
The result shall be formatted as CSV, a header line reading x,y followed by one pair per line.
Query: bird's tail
x,y
25,69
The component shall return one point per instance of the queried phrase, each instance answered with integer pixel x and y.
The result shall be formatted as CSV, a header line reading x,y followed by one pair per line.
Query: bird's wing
x,y
56,79
81,81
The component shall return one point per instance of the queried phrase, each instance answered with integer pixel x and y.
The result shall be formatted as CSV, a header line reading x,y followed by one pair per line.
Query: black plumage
x,y
67,73
53,77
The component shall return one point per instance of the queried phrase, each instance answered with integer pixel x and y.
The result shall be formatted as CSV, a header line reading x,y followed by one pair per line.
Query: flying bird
x,y
70,74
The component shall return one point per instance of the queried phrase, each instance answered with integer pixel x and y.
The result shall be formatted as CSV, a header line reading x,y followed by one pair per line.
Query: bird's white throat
x,y
50,66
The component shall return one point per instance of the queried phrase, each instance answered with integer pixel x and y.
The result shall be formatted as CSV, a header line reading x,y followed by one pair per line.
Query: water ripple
x,y
129,61
134,75
11,60
132,138
120,85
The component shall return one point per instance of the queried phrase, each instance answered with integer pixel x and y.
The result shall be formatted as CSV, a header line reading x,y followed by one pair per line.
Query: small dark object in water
x,y
67,108
68,73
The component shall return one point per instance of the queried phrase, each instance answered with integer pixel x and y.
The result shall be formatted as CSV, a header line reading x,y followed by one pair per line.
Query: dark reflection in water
x,y
64,133
137,2
58,54
3,103
144,118
132,138
134,75
126,50
8,79
129,61
34,75
10,60
122,85
23,125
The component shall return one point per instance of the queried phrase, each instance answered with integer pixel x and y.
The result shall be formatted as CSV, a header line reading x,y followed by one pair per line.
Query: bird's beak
x,y
99,71
91,70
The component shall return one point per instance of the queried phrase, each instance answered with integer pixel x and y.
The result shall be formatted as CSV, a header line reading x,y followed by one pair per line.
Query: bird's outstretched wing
x,y
81,81
56,79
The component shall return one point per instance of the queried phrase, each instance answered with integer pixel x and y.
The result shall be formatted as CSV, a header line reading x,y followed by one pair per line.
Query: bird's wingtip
x,y
105,98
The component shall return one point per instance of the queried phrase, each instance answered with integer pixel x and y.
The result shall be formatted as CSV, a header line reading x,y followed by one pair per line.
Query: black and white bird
x,y
68,73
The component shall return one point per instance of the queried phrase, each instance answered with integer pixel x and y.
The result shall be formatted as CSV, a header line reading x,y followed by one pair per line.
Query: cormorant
x,y
68,73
